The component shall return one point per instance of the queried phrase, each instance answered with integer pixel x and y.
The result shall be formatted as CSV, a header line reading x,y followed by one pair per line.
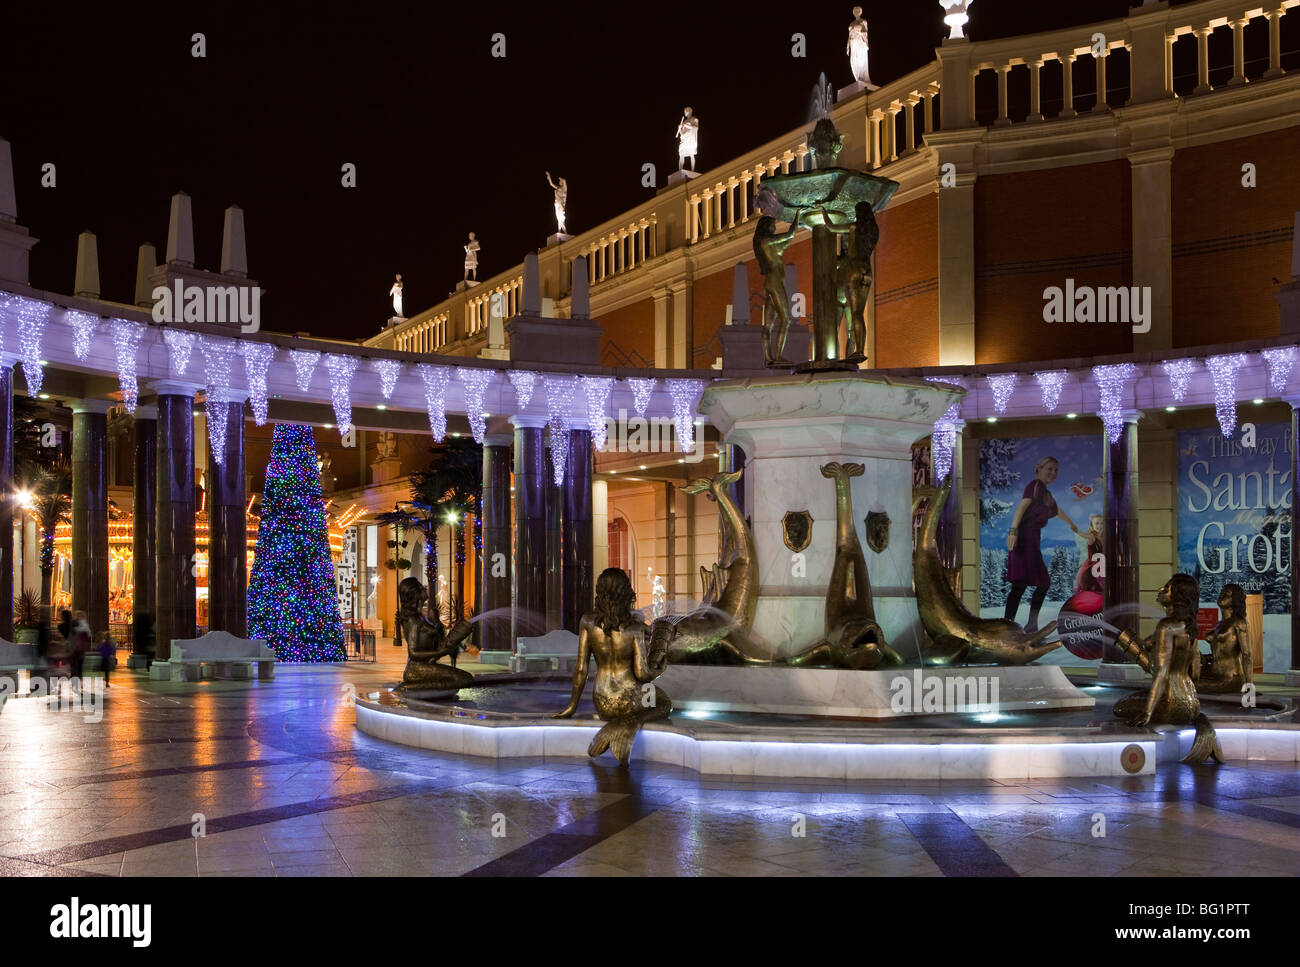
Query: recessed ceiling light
x,y
381,406
1170,409
1071,416
993,419
1257,401
44,396
644,467
328,426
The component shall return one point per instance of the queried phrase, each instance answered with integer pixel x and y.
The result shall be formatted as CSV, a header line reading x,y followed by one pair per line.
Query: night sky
x,y
446,138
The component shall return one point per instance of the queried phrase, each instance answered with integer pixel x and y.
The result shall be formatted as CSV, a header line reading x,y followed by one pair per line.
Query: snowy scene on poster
x,y
1008,469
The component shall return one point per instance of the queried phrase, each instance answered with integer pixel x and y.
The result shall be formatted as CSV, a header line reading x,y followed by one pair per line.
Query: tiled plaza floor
x,y
287,786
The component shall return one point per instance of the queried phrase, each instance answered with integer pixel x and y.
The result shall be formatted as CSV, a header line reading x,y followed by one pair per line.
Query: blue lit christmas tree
x,y
292,601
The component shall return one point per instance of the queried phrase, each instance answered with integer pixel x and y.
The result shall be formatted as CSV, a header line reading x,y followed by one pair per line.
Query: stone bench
x,y
218,654
13,659
553,651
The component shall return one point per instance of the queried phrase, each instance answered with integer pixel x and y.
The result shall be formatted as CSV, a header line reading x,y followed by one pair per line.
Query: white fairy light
x,y
83,326
1049,385
180,344
435,397
342,368
1179,372
1111,381
685,394
126,340
523,382
388,372
1223,370
1280,361
32,316
476,383
304,364
641,390
218,356
597,389
559,397
943,441
1002,385
257,360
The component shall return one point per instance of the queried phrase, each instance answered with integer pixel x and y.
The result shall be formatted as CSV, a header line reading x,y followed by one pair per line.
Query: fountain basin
x,y
837,189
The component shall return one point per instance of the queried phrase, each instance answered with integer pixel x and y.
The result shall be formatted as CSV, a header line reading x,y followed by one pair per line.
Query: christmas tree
x,y
292,600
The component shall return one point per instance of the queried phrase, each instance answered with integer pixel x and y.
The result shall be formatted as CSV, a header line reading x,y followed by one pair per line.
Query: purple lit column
x,y
228,530
174,560
578,539
7,556
495,558
532,477
1293,676
90,511
948,531
143,535
1120,537
554,545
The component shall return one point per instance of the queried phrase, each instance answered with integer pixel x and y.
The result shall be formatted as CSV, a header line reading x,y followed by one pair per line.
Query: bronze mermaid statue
x,y
1230,664
426,642
624,694
1168,655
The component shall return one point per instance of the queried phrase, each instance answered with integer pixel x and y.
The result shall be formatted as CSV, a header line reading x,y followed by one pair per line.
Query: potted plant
x,y
27,617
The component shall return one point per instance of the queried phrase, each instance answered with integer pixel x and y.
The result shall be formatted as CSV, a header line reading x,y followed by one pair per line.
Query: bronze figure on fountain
x,y
426,642
627,663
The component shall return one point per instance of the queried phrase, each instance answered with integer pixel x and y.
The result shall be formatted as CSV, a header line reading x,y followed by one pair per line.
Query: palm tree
x,y
446,493
50,487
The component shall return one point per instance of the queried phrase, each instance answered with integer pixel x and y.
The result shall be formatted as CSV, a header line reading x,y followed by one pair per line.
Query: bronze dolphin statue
x,y
996,641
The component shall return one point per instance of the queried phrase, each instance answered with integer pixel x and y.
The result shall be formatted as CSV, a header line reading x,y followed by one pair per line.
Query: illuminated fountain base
x,y
510,717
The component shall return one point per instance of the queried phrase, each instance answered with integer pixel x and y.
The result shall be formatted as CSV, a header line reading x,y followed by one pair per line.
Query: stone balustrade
x,y
1145,37
621,249
424,335
895,106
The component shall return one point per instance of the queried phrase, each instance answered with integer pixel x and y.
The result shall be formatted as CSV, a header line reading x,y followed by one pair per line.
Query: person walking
x,y
80,641
1025,565
107,655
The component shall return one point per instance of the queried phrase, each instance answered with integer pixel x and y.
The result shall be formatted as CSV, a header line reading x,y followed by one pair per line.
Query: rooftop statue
x,y
626,665
561,199
396,293
471,257
688,139
858,50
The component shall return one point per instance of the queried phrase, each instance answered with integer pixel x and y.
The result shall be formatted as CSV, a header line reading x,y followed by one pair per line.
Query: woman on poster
x,y
1025,566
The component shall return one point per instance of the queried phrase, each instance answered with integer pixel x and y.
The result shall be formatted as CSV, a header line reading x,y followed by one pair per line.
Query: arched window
x,y
620,546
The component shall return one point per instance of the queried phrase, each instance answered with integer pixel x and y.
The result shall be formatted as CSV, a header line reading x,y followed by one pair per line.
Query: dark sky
x,y
446,138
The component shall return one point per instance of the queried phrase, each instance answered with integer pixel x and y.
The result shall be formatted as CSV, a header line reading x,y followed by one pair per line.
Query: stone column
x,y
957,263
174,560
1203,60
1120,534
144,535
1100,63
663,343
683,342
1003,120
1275,43
8,555
1238,52
90,511
1067,82
531,477
1035,91
948,533
1293,675
578,580
228,530
554,542
495,563
1151,172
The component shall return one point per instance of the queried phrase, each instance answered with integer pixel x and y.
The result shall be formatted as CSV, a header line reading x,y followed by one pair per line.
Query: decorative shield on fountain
x,y
796,527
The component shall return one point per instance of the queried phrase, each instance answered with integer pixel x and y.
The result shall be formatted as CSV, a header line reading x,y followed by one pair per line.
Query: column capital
x,y
146,411
91,405
174,387
528,421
